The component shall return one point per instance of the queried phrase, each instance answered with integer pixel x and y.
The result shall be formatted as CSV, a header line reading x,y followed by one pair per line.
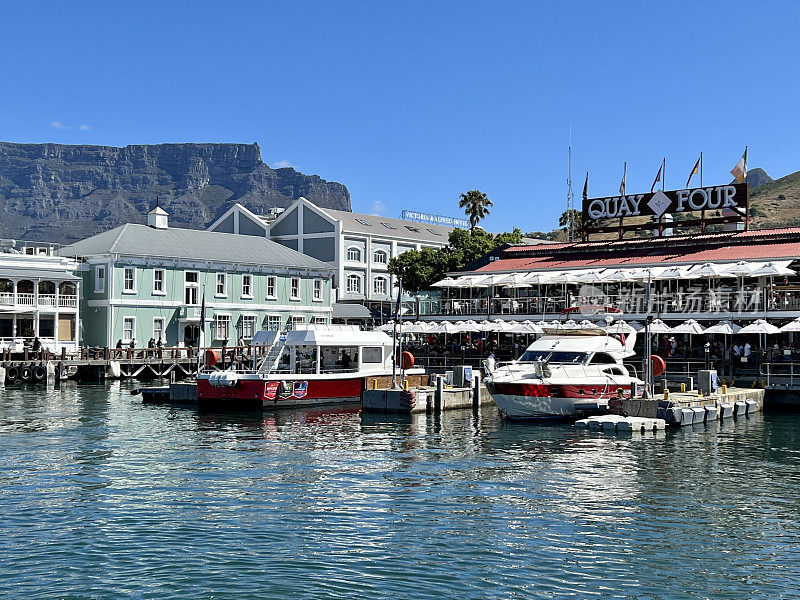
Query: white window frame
x,y
357,251
353,277
320,320
375,289
319,289
193,284
271,320
220,318
127,340
292,295
125,288
163,322
100,289
253,318
162,291
295,320
223,279
249,279
382,253
272,282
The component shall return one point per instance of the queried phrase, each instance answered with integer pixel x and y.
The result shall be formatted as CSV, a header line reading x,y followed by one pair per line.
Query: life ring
x,y
11,374
39,373
406,360
657,365
212,357
25,373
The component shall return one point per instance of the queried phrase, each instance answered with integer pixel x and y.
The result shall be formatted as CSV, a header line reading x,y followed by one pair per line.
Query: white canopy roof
x,y
791,326
691,326
760,326
335,335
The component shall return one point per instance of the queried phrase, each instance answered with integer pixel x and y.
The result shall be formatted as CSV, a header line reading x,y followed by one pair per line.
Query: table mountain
x,y
53,192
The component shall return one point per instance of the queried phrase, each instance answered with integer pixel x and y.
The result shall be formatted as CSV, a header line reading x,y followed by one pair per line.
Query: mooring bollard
x,y
476,391
437,399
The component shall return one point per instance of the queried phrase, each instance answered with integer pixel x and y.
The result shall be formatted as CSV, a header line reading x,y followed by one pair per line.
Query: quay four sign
x,y
659,203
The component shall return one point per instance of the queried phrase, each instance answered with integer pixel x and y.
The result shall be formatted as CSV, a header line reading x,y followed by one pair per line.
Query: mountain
x,y
776,203
53,192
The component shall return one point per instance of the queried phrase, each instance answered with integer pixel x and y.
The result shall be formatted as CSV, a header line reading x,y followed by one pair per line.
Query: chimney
x,y
157,218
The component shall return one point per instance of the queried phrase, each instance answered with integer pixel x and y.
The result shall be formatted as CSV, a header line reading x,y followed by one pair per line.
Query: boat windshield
x,y
559,358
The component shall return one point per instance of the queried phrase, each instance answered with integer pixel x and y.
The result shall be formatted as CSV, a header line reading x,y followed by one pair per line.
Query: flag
x,y
657,179
694,172
622,184
586,187
740,170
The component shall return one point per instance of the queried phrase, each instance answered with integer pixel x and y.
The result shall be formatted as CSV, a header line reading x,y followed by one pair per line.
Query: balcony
x,y
44,301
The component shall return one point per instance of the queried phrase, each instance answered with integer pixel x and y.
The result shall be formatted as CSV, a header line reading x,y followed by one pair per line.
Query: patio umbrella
x,y
531,328
658,326
760,326
724,328
590,277
770,269
389,326
446,282
709,270
586,324
636,325
691,327
791,326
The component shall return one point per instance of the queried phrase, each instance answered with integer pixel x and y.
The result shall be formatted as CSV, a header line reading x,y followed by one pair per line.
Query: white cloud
x,y
378,208
59,125
281,164
85,127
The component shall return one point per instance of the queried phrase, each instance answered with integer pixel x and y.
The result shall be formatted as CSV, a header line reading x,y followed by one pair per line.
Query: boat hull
x,y
256,392
519,401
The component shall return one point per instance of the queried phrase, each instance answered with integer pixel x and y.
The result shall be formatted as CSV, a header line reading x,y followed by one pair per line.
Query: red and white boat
x,y
566,373
312,365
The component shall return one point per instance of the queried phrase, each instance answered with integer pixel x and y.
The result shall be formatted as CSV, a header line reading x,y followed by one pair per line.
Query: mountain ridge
x,y
61,193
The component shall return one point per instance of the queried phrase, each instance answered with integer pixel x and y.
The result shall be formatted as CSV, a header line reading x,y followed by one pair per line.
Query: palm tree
x,y
476,206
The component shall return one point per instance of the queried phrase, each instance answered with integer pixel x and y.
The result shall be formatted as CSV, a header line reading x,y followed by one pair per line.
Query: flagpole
x,y
701,169
664,174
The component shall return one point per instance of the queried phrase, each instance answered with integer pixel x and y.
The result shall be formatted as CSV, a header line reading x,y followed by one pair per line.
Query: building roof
x,y
718,247
193,244
344,310
35,273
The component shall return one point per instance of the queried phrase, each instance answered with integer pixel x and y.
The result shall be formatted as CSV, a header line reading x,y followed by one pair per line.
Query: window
x,y
320,320
317,290
353,284
354,254
371,354
158,328
295,321
129,280
434,232
414,229
99,279
191,286
158,282
601,358
272,284
274,323
221,290
223,326
388,225
363,222
128,329
247,286
380,257
379,286
294,293
248,326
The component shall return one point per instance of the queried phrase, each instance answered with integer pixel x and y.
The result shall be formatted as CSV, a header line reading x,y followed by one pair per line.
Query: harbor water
x,y
103,497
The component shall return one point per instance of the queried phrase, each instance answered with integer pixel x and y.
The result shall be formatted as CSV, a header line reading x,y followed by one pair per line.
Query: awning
x,y
343,310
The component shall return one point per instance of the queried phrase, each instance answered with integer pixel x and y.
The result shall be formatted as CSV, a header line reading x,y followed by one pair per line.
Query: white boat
x,y
566,373
312,365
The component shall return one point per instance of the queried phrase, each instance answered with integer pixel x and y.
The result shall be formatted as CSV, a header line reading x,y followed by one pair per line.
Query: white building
x,y
39,294
358,246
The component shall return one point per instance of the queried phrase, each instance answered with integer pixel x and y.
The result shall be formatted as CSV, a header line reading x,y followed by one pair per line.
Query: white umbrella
x,y
673,273
709,270
739,269
791,326
444,327
691,327
468,325
531,327
760,326
590,277
586,324
658,326
387,326
636,325
770,269
724,328
446,282
486,326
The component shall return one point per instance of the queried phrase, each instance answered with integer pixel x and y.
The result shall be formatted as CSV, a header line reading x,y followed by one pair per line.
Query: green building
x,y
149,281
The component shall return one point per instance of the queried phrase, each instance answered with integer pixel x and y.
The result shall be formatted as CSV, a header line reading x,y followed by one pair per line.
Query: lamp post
x,y
707,349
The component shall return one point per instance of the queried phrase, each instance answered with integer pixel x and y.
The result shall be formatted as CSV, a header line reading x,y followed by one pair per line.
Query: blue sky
x,y
409,104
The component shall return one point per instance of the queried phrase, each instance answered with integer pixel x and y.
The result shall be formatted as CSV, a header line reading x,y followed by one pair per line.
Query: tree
x,y
476,206
577,219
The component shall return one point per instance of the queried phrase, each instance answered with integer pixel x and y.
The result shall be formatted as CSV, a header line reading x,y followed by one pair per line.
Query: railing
x,y
26,299
682,302
67,301
44,300
7,298
47,299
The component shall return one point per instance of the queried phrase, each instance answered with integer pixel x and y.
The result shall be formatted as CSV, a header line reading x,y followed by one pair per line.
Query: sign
x,y
659,203
420,217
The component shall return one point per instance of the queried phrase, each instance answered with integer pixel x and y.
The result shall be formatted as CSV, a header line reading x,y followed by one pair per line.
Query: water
x,y
101,497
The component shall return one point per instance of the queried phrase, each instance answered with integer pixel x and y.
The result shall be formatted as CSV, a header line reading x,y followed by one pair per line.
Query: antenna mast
x,y
570,197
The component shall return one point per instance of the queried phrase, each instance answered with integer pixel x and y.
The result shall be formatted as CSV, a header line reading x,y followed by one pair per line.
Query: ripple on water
x,y
102,497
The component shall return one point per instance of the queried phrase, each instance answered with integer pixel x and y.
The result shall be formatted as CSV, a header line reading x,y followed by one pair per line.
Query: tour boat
x,y
311,365
566,373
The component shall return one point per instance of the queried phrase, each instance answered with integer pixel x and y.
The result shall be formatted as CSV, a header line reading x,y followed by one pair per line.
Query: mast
x,y
570,197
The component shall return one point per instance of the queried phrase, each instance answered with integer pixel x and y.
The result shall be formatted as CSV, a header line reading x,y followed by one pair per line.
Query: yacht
x,y
566,373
